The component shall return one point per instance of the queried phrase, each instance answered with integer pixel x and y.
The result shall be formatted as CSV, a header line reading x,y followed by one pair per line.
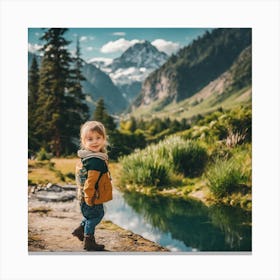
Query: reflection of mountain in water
x,y
217,228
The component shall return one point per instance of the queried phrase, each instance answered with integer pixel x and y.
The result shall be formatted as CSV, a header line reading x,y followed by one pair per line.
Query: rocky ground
x,y
52,216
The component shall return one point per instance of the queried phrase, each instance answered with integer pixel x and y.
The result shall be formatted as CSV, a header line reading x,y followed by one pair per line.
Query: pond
x,y
180,225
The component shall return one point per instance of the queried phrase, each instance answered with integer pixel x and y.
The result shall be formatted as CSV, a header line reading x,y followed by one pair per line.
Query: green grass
x,y
185,109
158,164
225,177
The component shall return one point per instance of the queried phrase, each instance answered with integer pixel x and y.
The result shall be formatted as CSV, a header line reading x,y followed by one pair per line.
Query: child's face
x,y
94,141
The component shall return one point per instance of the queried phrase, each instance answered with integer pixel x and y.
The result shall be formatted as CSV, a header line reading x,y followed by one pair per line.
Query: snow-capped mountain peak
x,y
102,63
142,54
130,69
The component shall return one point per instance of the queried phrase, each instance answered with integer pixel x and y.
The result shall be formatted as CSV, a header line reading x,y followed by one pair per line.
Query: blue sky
x,y
112,42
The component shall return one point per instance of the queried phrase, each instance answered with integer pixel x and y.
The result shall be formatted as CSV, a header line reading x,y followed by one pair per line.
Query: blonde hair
x,y
93,126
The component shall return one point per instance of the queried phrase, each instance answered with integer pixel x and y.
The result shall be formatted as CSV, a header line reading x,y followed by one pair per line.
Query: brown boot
x,y
79,232
91,245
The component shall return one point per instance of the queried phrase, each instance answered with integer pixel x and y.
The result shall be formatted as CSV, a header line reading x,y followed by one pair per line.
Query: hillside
x,y
210,72
97,85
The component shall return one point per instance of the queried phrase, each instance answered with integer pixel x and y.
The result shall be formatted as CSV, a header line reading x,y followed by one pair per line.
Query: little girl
x,y
96,188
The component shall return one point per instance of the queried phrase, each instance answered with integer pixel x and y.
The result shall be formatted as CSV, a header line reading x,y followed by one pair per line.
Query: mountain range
x,y
218,63
213,71
118,81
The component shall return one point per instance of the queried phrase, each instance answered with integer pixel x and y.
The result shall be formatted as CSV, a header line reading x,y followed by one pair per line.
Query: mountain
x,y
142,54
97,84
193,68
130,69
101,63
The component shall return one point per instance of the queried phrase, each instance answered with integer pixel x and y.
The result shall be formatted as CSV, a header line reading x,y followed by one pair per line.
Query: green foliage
x,y
153,165
101,115
43,155
59,107
33,87
145,168
224,176
219,125
155,129
190,159
186,157
124,142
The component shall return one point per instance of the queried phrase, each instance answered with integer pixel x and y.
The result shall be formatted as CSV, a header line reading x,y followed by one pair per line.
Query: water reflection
x,y
182,225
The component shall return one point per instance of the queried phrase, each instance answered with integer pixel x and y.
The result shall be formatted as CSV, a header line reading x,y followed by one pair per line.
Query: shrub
x,y
189,158
223,177
43,155
145,168
152,165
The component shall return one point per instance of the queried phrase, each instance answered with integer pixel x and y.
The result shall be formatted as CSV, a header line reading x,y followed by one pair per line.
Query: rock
x,y
53,188
69,187
55,196
53,193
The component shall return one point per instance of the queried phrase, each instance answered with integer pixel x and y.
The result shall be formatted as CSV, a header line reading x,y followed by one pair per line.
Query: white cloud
x,y
89,49
118,45
119,33
83,39
166,46
34,48
105,60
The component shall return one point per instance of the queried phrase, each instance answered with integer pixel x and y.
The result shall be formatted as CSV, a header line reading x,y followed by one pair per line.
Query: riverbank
x,y
186,189
50,225
199,193
61,171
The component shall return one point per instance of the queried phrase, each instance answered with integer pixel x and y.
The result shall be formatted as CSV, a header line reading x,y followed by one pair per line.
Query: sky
x,y
110,43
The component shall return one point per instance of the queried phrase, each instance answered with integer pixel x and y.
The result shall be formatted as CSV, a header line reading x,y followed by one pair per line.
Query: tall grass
x,y
189,159
145,168
154,165
225,176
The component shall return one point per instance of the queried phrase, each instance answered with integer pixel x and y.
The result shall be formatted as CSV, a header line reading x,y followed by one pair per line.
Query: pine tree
x,y
59,107
33,86
101,115
100,111
78,111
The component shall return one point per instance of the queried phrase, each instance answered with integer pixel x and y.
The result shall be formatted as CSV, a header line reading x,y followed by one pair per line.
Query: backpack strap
x,y
96,193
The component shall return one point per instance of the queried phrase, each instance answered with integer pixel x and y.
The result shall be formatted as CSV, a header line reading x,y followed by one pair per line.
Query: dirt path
x,y
50,225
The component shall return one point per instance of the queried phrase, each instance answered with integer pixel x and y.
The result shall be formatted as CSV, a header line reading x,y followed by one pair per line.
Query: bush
x,y
145,168
223,177
186,157
43,155
190,159
152,165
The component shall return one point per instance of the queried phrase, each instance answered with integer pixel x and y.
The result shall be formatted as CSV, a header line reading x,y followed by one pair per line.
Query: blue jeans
x,y
92,217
